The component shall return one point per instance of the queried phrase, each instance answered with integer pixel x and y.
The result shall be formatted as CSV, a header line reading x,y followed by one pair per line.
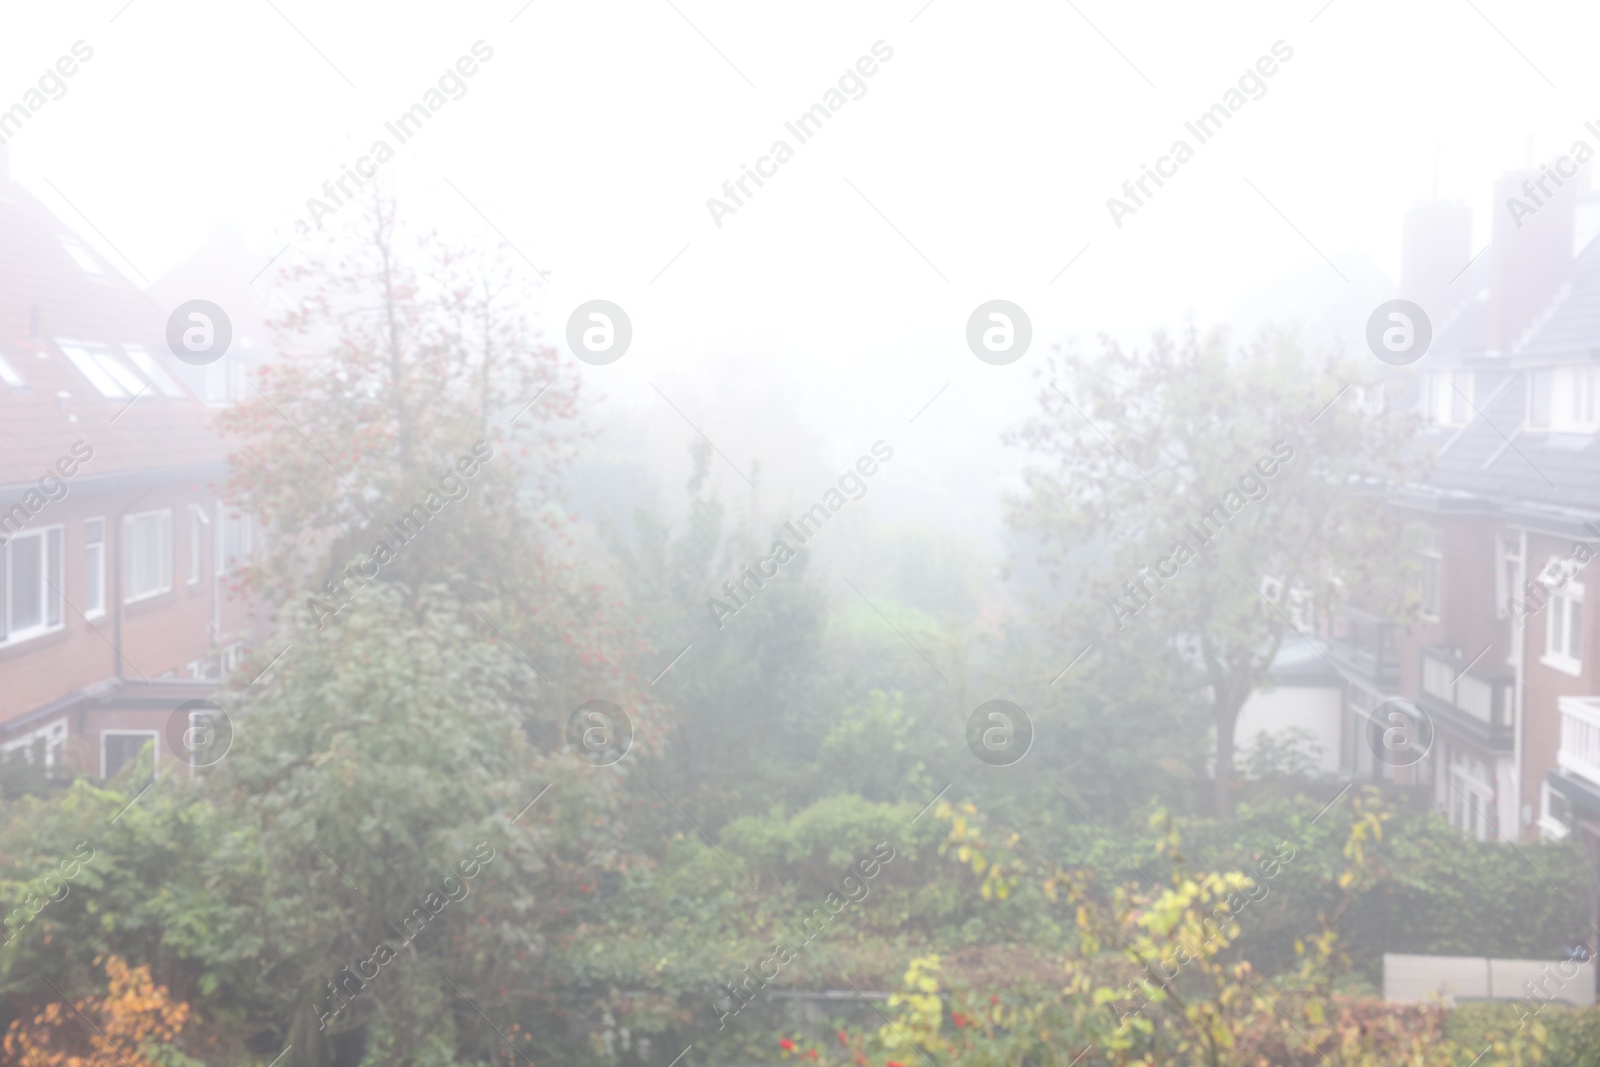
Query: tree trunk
x,y
1225,716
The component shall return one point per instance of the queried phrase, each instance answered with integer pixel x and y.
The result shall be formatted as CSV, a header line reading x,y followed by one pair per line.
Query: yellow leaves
x,y
134,1011
1315,1014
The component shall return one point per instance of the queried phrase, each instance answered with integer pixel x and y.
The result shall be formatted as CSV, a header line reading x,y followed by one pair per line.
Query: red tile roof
x,y
46,295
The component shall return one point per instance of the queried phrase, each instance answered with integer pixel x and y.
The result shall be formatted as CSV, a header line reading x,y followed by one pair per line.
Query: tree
x,y
138,1023
1199,499
393,868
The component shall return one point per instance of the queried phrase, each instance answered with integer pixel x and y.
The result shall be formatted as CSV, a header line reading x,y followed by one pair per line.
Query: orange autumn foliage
x,y
108,1031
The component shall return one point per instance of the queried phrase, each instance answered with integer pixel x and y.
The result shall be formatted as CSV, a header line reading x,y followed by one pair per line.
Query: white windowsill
x,y
1564,664
1554,829
29,635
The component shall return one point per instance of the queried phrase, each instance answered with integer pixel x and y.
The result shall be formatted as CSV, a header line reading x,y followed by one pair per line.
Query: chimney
x,y
1437,243
1531,256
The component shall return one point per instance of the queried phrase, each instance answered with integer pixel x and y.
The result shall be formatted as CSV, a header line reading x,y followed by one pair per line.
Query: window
x,y
30,585
147,557
105,372
1508,573
1432,571
234,535
1445,396
44,745
152,370
1471,797
1564,626
94,568
81,256
198,521
1555,813
1563,399
9,375
217,382
118,748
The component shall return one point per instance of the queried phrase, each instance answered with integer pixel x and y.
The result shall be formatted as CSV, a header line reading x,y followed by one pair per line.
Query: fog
x,y
1160,409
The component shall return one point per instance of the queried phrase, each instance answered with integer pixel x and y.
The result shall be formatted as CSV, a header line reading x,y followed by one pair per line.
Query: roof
x,y
54,288
1570,328
1552,479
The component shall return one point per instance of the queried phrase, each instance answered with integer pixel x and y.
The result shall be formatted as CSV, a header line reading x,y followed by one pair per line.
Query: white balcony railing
x,y
1469,693
1580,737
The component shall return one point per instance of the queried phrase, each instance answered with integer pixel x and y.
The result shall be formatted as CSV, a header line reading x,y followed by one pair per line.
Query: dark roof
x,y
1303,661
1462,336
1492,464
53,286
1570,328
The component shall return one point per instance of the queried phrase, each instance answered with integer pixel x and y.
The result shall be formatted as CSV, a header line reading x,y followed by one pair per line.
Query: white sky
x,y
806,327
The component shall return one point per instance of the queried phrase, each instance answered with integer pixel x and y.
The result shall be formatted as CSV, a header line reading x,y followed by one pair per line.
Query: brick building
x,y
1504,660
115,552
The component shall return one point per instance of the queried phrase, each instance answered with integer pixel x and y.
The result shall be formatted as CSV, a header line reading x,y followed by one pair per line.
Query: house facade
x,y
117,559
1491,694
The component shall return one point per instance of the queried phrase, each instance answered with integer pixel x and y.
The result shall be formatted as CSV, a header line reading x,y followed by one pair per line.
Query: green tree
x,y
1200,499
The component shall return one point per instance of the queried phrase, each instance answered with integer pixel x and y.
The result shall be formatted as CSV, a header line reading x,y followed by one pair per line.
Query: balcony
x,y
1366,645
1580,738
1466,701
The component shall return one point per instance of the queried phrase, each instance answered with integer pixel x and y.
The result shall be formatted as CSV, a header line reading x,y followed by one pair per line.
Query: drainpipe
x,y
116,576
1519,638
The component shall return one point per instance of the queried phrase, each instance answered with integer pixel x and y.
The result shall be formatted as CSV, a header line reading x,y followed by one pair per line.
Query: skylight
x,y
9,375
82,256
153,370
105,371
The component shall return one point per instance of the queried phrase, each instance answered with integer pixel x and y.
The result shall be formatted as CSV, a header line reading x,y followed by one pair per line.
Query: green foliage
x,y
1204,432
872,751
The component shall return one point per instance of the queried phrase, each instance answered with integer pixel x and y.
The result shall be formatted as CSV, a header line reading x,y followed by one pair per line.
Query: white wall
x,y
1314,709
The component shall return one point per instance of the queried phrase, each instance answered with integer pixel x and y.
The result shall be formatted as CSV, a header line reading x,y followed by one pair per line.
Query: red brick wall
x,y
1544,685
160,635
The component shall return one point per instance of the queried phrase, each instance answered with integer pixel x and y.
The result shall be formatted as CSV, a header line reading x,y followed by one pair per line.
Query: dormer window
x,y
1447,397
1563,399
81,256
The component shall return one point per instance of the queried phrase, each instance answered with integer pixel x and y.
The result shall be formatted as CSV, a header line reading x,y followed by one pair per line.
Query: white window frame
x,y
153,735
1432,553
1573,404
1549,825
243,526
1469,797
94,569
141,358
9,634
198,521
81,255
1566,603
108,374
1439,402
163,551
54,736
1507,573
9,375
